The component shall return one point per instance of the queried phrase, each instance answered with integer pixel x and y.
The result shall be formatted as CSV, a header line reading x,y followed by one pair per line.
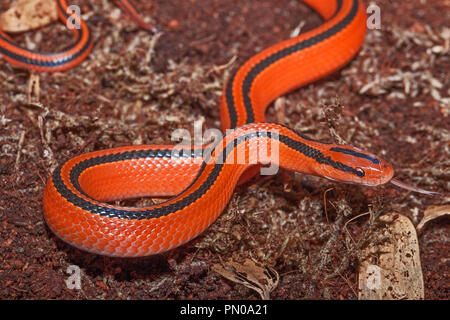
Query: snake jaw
x,y
403,185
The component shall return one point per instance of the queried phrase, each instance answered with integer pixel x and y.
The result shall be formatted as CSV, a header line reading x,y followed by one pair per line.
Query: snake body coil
x,y
201,183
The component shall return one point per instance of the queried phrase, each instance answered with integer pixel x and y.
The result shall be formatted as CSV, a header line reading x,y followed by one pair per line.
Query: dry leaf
x,y
26,15
433,212
263,279
392,270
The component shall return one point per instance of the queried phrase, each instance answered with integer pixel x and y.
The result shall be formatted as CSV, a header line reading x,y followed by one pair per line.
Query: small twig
x,y
203,40
223,66
352,252
325,203
343,210
33,88
297,30
19,149
151,50
348,283
354,218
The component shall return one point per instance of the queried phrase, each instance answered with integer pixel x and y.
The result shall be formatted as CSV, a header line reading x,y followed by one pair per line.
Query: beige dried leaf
x,y
433,212
392,269
27,15
263,279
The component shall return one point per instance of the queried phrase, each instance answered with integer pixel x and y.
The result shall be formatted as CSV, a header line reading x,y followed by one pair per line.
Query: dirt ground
x,y
136,87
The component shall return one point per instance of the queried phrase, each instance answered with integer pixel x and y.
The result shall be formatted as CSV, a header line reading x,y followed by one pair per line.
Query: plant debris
x,y
138,87
392,269
262,279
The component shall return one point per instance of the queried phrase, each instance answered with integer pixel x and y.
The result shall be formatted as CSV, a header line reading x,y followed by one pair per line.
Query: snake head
x,y
352,165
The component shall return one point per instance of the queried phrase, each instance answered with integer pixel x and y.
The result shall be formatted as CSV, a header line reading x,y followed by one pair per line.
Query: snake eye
x,y
360,172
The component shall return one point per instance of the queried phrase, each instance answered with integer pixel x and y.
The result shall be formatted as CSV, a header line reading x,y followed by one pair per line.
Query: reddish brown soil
x,y
395,95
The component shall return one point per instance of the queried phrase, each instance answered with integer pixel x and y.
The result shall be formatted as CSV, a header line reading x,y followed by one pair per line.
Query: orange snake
x,y
201,180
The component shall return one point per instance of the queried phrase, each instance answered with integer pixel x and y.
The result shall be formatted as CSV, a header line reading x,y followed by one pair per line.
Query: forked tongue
x,y
411,188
